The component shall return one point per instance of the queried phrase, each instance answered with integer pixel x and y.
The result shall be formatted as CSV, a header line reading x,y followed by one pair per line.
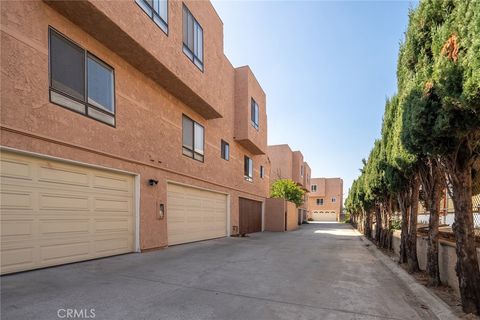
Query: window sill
x,y
249,179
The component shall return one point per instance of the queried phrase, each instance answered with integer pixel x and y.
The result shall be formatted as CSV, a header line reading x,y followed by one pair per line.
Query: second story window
x,y
157,10
225,150
192,38
301,171
80,81
319,202
248,169
262,172
314,188
254,114
193,139
334,199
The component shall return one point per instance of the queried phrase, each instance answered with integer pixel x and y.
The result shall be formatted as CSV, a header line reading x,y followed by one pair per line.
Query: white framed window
x,y
320,202
334,199
192,38
314,188
193,139
262,172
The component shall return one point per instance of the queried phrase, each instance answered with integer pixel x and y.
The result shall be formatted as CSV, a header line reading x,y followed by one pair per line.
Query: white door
x,y
54,212
195,214
324,216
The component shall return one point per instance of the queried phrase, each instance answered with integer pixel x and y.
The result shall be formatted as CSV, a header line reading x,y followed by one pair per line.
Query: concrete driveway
x,y
322,271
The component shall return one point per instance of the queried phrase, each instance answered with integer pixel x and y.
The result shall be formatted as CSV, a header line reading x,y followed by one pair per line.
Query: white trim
x,y
196,187
136,177
229,210
137,213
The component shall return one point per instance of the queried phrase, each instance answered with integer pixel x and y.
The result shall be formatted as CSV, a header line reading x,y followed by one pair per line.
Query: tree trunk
x,y
433,182
368,225
404,235
467,262
378,225
412,231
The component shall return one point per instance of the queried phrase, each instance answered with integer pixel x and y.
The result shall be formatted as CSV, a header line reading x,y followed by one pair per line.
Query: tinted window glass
x,y
198,138
187,133
100,84
67,66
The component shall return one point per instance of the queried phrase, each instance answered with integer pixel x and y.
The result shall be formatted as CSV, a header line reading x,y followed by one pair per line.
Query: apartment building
x,y
124,128
325,201
288,164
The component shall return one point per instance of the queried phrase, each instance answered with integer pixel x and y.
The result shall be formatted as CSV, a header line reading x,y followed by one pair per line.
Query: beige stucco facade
x,y
325,197
155,85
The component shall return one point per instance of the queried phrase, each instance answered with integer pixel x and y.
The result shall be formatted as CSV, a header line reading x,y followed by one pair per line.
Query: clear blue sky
x,y
326,67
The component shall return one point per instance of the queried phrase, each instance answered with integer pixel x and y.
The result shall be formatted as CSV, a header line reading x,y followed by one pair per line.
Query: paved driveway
x,y
322,271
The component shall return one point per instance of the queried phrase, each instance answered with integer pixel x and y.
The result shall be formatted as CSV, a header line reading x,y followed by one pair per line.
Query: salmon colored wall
x,y
292,216
326,189
275,214
148,133
281,161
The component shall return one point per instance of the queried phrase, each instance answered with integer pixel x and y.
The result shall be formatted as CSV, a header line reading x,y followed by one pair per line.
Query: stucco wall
x,y
147,139
446,256
292,216
275,214
326,189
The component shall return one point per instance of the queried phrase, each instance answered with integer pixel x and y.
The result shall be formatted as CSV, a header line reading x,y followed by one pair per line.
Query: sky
x,y
327,69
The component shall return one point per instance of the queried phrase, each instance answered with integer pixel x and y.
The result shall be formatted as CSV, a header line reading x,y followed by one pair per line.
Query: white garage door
x,y
54,213
195,214
324,216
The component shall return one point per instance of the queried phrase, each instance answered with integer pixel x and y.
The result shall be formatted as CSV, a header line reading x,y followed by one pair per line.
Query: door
x,y
54,212
195,214
324,216
250,216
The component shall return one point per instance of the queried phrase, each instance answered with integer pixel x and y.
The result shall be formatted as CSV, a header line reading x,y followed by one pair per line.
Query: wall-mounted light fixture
x,y
152,182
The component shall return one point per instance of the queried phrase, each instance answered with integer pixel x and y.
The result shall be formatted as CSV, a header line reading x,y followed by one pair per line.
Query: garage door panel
x,y
16,169
62,213
194,214
62,175
13,199
55,201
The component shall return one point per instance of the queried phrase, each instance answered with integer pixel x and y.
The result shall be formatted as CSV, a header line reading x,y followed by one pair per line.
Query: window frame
x,y
140,3
319,201
185,46
334,199
313,186
246,171
254,107
85,103
224,155
193,140
262,172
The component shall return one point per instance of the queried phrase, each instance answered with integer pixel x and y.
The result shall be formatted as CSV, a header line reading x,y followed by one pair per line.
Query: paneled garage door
x,y
195,214
324,216
54,212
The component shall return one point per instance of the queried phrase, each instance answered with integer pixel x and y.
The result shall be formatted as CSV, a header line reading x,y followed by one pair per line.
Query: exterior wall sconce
x,y
152,182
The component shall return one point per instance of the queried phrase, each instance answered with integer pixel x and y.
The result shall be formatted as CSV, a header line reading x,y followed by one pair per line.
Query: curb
x,y
439,308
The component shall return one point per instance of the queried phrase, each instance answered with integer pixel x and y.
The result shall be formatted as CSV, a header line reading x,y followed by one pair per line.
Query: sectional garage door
x,y
195,214
324,216
54,212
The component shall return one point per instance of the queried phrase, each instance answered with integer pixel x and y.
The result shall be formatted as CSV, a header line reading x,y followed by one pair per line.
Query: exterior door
x,y
250,216
195,214
54,212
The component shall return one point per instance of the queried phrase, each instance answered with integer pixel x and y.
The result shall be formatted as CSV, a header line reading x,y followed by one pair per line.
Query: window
x,y
319,202
334,199
301,171
80,81
192,38
157,10
314,188
262,172
248,169
225,150
193,139
254,114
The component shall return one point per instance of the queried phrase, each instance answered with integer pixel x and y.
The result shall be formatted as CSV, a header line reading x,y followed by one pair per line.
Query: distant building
x,y
325,201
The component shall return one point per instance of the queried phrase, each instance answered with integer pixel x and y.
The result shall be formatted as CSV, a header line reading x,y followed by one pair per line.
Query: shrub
x,y
288,190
